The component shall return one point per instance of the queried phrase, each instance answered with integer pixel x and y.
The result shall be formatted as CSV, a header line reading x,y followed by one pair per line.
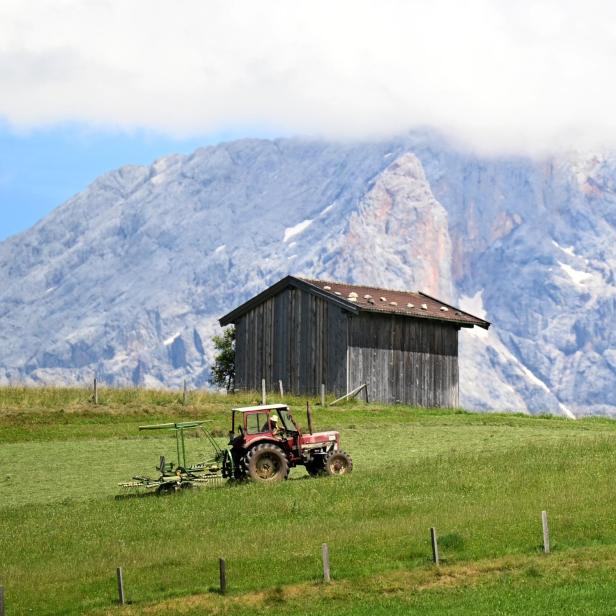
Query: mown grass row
x,y
271,536
482,480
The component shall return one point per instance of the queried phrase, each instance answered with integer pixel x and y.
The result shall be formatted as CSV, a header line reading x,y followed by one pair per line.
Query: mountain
x,y
127,278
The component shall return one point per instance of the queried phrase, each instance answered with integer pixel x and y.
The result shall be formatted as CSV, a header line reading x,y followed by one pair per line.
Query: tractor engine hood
x,y
321,437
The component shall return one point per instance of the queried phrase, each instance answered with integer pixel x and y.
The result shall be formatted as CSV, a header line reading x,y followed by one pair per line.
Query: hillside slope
x,y
128,277
481,479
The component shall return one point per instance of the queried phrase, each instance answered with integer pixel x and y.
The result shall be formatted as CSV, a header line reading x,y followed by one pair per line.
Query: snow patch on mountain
x,y
329,208
579,277
567,250
300,227
172,339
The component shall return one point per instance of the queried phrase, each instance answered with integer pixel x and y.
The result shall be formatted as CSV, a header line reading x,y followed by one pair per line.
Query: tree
x,y
223,370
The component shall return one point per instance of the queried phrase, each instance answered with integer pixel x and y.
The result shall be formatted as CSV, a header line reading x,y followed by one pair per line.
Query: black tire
x,y
315,467
233,466
338,463
166,488
227,465
266,463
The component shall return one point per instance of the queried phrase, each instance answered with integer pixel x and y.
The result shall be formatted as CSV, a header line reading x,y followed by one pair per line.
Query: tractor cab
x,y
264,422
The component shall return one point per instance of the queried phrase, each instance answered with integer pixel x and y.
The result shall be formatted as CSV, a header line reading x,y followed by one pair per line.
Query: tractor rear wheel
x,y
267,462
338,463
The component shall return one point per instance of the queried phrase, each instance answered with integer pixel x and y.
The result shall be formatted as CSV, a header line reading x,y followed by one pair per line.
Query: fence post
x,y
281,388
322,394
546,532
121,596
95,391
184,394
325,556
1,600
223,575
263,396
433,540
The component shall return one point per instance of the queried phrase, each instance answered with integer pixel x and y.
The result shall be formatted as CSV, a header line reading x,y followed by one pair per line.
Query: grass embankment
x,y
482,480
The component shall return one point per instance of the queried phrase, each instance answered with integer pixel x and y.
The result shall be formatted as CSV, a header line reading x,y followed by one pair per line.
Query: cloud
x,y
528,76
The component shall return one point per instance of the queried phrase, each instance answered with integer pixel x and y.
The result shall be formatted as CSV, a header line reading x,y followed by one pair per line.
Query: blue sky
x,y
40,169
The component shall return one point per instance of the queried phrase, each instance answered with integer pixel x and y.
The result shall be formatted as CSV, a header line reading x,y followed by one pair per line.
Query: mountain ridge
x,y
127,278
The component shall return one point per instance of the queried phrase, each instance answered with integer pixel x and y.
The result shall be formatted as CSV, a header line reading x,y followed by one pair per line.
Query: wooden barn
x,y
402,345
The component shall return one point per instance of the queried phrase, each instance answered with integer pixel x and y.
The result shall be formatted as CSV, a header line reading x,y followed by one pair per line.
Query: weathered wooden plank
x,y
277,339
285,342
305,347
291,335
271,370
336,350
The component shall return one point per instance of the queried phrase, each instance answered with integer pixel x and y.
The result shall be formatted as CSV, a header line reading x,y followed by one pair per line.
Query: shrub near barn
x,y
223,370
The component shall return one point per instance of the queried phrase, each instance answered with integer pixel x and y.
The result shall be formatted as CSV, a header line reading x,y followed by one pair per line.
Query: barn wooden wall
x,y
404,360
294,336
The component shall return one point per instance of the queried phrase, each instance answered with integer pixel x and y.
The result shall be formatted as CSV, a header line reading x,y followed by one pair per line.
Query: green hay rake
x,y
181,476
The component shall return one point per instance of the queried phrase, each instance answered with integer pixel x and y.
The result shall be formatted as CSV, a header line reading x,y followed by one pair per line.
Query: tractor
x,y
265,443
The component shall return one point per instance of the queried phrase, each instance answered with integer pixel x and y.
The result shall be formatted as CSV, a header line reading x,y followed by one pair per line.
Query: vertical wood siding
x,y
405,360
296,337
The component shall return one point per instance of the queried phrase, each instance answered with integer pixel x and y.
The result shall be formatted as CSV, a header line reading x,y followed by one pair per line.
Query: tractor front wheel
x,y
338,463
267,462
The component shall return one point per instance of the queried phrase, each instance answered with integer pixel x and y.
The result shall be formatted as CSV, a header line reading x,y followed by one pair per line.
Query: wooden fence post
x,y
325,556
322,394
223,575
95,391
281,388
184,394
433,540
1,600
546,532
121,596
263,395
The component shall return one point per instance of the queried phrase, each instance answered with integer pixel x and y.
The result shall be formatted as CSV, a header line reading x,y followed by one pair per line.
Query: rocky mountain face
x,y
127,279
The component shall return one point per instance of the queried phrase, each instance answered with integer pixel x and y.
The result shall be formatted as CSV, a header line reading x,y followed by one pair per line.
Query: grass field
x,y
480,479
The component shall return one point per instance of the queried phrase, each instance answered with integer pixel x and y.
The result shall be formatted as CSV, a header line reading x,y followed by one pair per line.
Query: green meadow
x,y
481,480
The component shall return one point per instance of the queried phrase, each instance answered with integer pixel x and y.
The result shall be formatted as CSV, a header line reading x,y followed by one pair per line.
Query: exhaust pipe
x,y
309,417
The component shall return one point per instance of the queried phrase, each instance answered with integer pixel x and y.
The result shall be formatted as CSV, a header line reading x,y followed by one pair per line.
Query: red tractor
x,y
268,443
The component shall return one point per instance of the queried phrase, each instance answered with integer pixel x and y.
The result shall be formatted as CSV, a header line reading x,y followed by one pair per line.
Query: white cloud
x,y
525,76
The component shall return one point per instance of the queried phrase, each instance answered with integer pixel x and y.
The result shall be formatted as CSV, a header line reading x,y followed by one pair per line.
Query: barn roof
x,y
390,301
356,298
